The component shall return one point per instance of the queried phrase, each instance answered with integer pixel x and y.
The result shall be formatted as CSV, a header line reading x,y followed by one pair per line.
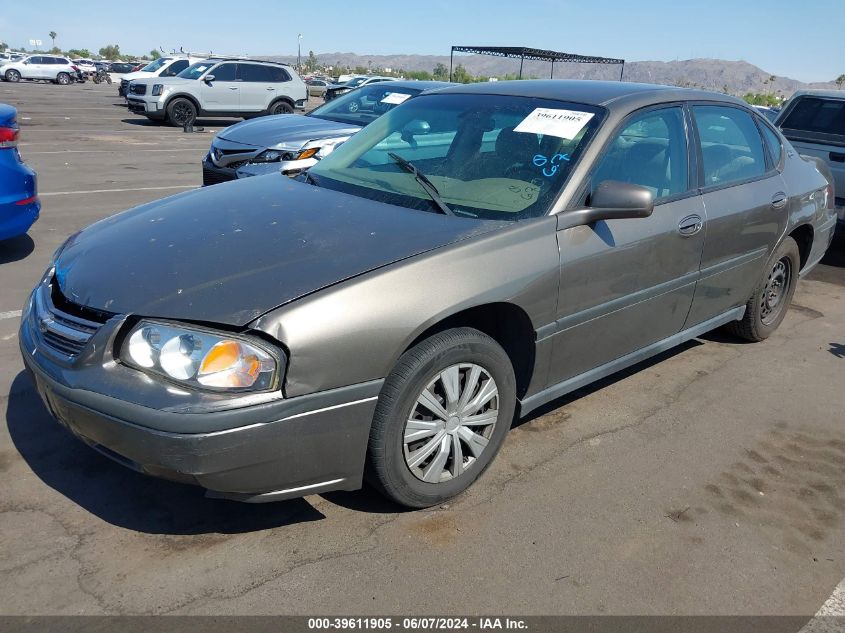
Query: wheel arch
x,y
803,235
183,95
285,99
506,323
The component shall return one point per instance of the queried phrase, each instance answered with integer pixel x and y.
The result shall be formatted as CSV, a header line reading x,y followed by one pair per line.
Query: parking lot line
x,y
72,193
112,151
11,314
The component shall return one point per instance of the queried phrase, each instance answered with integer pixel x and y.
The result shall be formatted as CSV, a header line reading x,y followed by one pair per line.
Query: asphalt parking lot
x,y
708,481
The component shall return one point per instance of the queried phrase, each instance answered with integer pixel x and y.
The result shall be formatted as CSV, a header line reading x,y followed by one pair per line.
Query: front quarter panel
x,y
356,330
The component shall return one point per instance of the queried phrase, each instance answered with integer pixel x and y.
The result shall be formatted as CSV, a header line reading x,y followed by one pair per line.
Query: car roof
x,y
833,94
599,93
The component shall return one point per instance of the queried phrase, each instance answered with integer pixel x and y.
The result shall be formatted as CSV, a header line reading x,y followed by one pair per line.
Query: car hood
x,y
285,129
229,253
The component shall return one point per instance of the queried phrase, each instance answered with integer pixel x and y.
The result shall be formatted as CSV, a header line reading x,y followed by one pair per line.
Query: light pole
x,y
299,54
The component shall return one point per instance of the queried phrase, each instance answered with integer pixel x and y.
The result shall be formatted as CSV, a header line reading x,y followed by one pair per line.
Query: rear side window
x,y
773,143
731,147
817,118
650,151
259,73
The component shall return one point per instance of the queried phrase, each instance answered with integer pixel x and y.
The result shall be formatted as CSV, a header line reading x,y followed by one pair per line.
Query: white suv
x,y
168,66
228,87
40,67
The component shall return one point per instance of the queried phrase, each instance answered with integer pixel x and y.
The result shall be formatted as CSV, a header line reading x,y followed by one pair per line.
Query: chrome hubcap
x,y
451,423
777,284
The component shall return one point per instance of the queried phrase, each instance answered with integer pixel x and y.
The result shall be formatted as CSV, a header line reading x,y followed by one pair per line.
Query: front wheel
x,y
63,79
13,75
441,418
181,112
772,294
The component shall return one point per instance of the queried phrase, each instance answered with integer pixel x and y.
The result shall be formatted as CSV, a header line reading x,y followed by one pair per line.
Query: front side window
x,y
650,151
225,72
488,156
731,147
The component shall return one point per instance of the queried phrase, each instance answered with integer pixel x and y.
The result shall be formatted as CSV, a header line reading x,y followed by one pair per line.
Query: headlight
x,y
158,90
269,156
200,358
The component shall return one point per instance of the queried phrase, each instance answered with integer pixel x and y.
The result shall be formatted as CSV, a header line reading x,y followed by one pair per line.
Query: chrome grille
x,y
64,335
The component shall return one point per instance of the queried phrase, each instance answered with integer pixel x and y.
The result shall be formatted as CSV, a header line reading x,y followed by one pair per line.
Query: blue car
x,y
19,204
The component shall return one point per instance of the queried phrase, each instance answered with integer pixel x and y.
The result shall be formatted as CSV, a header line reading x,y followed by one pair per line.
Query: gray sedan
x,y
476,253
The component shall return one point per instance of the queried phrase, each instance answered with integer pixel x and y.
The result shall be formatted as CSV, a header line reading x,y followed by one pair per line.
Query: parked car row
x,y
475,253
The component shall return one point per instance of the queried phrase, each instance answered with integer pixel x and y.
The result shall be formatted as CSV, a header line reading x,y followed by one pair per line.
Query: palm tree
x,y
53,35
840,80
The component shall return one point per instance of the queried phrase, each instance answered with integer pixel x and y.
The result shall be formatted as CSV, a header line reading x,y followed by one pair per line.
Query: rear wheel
x,y
63,79
13,75
281,107
442,416
772,295
181,112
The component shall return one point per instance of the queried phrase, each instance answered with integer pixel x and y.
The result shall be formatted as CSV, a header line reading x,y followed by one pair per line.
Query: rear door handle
x,y
837,157
779,200
690,225
233,87
269,88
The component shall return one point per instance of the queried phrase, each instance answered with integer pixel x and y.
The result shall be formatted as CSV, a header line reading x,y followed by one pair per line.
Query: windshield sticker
x,y
549,165
561,123
395,97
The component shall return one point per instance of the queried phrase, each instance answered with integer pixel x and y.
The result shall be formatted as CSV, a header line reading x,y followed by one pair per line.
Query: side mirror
x,y
612,200
417,127
208,79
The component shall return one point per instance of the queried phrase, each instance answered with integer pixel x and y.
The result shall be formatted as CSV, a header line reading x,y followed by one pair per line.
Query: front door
x,y
745,198
625,284
223,93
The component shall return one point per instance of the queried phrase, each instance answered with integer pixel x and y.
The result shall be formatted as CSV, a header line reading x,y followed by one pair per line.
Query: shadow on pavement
x,y
123,497
16,249
145,122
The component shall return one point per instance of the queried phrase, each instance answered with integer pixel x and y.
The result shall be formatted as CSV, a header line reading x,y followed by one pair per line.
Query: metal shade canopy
x,y
534,54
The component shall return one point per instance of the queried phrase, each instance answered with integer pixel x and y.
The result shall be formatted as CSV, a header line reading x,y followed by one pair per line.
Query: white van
x,y
167,66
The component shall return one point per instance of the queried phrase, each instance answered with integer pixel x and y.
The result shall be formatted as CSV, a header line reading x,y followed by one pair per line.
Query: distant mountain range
x,y
735,77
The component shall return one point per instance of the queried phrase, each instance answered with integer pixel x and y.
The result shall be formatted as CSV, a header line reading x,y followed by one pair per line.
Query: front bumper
x,y
271,450
151,109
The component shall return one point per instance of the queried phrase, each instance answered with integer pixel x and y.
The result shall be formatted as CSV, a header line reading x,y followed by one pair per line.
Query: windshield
x,y
154,66
488,156
195,71
354,83
364,105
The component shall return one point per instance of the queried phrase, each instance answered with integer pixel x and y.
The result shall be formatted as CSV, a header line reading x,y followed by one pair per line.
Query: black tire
x,y
181,112
280,107
12,75
63,79
387,468
780,277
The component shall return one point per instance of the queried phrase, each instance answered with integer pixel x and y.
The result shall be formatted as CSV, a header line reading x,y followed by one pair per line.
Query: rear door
x,y
223,93
816,127
625,284
258,83
746,202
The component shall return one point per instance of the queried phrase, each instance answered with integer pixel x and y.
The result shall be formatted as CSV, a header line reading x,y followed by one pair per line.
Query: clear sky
x,y
802,39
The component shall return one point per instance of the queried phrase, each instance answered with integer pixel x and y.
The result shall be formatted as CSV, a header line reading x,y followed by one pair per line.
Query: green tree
x,y
840,80
3,46
441,72
112,51
53,35
311,62
79,52
154,54
56,50
460,75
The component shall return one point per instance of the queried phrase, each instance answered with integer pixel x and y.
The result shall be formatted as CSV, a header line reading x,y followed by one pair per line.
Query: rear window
x,y
816,118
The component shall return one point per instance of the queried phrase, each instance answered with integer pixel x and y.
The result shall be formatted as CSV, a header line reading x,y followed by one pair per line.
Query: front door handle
x,y
779,200
233,87
690,225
